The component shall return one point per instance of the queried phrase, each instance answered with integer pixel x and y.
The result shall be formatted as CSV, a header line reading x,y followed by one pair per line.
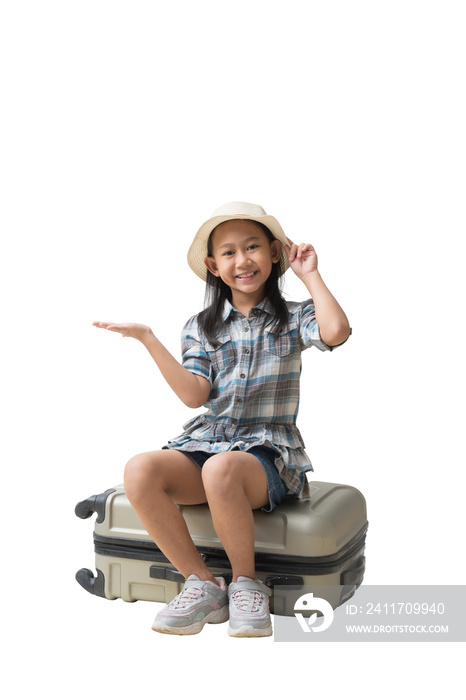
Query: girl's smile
x,y
247,276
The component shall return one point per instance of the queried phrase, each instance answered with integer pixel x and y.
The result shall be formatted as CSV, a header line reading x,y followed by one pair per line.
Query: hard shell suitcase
x,y
317,542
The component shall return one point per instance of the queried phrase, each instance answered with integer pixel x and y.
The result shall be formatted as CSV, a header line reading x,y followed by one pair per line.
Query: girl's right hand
x,y
127,330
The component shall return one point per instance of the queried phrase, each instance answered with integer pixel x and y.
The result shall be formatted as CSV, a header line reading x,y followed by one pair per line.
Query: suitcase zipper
x,y
144,550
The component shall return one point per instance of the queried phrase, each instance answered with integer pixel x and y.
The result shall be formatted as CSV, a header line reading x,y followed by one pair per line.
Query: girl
x,y
241,360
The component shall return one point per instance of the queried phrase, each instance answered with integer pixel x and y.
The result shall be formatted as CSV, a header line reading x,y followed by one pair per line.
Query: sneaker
x,y
198,603
249,608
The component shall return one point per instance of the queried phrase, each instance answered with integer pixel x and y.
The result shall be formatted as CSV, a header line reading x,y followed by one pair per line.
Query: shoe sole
x,y
250,631
216,617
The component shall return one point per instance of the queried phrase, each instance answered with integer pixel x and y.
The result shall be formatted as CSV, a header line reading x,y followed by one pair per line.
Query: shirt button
x,y
246,352
239,400
242,376
234,421
246,329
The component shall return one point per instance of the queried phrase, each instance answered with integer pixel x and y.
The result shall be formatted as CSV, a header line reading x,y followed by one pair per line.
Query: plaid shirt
x,y
255,386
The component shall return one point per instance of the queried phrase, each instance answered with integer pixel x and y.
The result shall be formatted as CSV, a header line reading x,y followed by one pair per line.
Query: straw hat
x,y
233,210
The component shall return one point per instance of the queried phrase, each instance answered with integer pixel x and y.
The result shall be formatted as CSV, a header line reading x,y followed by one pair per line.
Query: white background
x,y
123,125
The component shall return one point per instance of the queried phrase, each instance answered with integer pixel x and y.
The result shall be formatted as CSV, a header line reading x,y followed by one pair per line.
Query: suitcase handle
x,y
353,577
294,583
161,572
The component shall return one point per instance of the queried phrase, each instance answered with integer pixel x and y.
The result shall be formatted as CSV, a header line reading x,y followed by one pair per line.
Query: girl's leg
x,y
235,483
154,482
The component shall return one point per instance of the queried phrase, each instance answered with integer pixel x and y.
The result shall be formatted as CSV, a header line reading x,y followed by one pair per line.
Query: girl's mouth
x,y
246,276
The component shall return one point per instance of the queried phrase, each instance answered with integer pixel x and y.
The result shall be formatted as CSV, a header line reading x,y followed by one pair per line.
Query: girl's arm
x,y
192,389
333,324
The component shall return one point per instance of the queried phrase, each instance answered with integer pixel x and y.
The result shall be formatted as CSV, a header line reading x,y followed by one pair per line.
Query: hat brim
x,y
198,250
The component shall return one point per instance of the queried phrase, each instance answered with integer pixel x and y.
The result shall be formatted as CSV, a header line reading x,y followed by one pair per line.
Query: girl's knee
x,y
219,474
141,473
231,475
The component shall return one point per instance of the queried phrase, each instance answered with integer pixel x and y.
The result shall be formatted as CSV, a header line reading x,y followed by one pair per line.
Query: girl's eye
x,y
229,253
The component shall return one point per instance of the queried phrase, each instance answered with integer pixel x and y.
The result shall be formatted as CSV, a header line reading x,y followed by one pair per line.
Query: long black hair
x,y
210,319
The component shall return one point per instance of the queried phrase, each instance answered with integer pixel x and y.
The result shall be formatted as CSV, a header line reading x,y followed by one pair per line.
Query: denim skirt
x,y
266,456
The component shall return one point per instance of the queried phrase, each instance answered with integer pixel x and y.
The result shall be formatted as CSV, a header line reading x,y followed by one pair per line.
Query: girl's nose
x,y
242,257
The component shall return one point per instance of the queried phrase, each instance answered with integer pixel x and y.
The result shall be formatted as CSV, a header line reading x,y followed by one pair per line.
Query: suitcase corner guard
x,y
90,583
93,504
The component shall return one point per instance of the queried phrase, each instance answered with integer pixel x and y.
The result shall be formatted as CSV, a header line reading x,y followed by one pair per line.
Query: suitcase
x,y
312,544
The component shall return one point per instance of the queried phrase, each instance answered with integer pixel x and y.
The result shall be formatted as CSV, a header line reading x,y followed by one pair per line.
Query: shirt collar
x,y
265,305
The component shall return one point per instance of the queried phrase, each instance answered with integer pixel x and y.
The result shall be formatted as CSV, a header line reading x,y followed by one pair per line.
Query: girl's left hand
x,y
127,330
303,258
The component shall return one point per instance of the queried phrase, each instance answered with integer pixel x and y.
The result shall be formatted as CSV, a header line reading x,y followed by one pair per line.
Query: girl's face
x,y
242,256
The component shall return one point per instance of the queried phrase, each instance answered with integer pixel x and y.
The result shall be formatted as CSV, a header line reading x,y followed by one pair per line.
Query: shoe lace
x,y
187,596
248,601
